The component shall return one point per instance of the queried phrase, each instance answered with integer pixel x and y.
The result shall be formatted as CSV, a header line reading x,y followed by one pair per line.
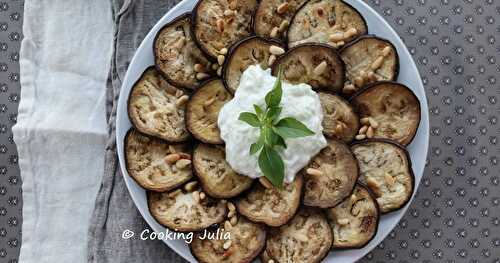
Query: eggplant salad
x,y
175,149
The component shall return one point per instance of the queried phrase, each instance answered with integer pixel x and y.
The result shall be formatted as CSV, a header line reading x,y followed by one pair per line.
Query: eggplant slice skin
x,y
176,54
150,162
331,175
180,211
385,167
216,176
354,222
271,206
219,24
272,18
157,108
369,59
393,106
331,22
247,241
250,51
340,121
315,64
203,109
306,238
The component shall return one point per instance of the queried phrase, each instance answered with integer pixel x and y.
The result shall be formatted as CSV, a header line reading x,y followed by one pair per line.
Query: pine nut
x,y
190,186
274,32
369,132
199,67
363,130
202,195
360,137
315,172
265,182
227,225
271,60
275,50
178,93
284,25
182,100
231,206
220,25
172,158
336,37
373,122
377,63
202,76
215,66
196,196
349,89
223,51
282,8
320,69
219,71
270,261
350,32
220,59
386,51
182,163
229,12
343,221
227,245
233,220
358,81
365,120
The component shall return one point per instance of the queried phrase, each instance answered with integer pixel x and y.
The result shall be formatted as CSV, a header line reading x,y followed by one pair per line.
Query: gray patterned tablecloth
x,y
456,215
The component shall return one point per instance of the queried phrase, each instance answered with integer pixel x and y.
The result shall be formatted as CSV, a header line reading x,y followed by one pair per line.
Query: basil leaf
x,y
291,128
273,97
255,147
273,113
272,166
250,118
259,111
280,141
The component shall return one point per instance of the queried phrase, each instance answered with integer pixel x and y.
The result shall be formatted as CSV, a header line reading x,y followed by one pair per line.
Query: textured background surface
x,y
456,215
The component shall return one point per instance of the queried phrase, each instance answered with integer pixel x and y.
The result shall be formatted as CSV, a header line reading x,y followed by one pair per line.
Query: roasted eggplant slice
x,y
183,210
315,64
391,109
203,110
306,238
217,178
339,119
273,17
271,206
332,22
218,24
178,57
157,108
331,175
247,239
369,59
155,164
354,222
250,51
386,169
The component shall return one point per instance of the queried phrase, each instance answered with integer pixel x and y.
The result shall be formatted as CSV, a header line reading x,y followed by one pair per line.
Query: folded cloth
x,y
114,210
61,126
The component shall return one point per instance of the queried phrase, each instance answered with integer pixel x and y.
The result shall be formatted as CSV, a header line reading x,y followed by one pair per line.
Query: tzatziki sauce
x,y
298,101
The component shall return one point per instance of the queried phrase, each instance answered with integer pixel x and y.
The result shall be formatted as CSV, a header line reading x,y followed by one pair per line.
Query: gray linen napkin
x,y
114,210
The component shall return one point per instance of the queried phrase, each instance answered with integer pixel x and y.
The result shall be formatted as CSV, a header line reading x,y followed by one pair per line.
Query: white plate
x,y
408,75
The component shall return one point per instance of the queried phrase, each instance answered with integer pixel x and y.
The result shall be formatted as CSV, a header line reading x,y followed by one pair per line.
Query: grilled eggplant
x,y
178,57
218,24
354,222
332,22
217,178
391,109
369,59
331,175
306,238
315,64
273,17
386,169
203,110
155,164
157,108
271,206
250,51
246,242
340,121
183,210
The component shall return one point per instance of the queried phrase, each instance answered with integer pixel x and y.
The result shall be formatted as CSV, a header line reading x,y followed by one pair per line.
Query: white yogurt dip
x,y
298,101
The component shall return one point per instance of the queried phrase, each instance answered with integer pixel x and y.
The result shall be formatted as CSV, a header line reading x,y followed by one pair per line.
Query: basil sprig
x,y
273,132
